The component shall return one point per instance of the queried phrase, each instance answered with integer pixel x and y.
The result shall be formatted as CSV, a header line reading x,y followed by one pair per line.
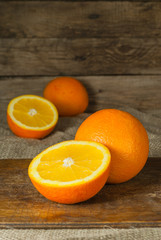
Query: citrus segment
x,y
71,171
31,116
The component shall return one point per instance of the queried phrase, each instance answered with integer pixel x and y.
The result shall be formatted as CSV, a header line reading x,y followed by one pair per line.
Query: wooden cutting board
x,y
136,203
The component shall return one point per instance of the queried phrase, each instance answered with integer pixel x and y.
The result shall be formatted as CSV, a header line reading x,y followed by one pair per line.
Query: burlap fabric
x,y
18,148
80,234
15,147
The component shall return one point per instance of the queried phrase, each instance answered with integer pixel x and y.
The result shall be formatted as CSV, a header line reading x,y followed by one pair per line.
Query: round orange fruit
x,y
68,95
31,116
70,171
125,137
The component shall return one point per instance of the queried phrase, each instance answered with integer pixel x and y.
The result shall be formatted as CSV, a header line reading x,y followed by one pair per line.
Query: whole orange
x,y
68,95
125,137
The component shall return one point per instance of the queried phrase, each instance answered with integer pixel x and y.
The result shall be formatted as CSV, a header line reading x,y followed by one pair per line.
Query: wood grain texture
x,y
80,19
134,203
80,56
138,92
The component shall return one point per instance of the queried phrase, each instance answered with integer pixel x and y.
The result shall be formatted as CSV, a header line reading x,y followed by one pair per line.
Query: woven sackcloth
x,y
18,148
80,234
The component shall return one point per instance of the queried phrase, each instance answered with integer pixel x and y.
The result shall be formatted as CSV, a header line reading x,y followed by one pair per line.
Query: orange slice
x,y
71,171
31,116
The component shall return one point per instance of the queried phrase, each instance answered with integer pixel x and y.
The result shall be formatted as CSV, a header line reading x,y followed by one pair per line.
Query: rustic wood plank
x,y
138,92
80,56
134,203
81,19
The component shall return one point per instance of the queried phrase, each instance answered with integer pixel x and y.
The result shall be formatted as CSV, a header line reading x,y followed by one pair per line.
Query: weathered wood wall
x,y
100,19
43,39
80,38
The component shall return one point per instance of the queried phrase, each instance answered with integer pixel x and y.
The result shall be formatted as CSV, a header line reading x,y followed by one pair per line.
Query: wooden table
x,y
114,48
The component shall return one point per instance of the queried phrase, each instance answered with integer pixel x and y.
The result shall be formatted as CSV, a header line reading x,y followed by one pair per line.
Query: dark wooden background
x,y
113,47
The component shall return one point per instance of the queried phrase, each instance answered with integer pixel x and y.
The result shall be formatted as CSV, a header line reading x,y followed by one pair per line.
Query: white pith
x,y
32,112
67,162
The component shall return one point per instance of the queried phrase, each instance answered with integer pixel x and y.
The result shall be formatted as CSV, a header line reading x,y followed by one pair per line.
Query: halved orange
x,y
31,116
71,171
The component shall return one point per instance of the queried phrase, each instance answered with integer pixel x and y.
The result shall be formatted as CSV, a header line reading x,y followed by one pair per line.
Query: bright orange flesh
x,y
68,95
31,116
71,171
125,137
